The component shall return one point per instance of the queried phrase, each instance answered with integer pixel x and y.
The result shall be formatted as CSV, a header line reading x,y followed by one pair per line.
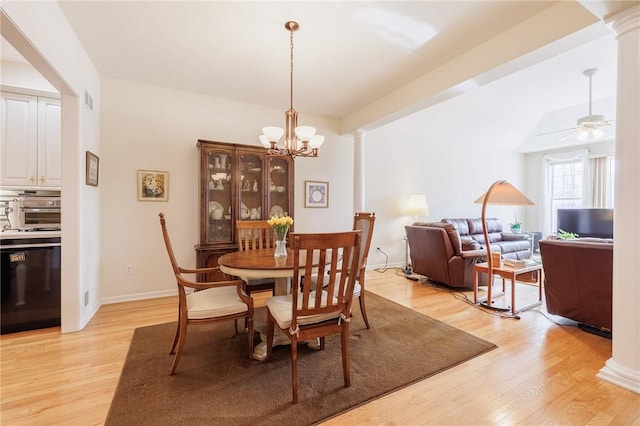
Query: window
x,y
565,187
611,164
576,181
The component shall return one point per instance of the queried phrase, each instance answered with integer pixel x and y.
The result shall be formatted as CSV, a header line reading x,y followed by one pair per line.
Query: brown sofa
x,y
446,251
578,277
510,246
437,253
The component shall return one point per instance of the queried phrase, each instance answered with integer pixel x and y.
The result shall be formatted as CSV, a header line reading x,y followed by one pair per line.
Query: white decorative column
x,y
358,171
623,368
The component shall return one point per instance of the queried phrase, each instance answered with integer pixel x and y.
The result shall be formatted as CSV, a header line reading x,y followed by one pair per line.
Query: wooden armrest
x,y
208,284
198,270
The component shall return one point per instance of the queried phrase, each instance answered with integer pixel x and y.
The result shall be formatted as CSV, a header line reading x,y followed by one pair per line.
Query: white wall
x,y
147,127
439,153
41,34
21,75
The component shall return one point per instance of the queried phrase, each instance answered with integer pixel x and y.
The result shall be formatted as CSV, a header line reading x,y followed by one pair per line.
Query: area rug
x,y
216,384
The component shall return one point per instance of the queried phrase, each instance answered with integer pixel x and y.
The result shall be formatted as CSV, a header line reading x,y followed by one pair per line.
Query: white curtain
x,y
599,182
545,195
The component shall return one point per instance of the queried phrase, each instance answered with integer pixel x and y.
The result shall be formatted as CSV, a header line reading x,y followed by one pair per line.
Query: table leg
x,y
475,286
513,294
279,339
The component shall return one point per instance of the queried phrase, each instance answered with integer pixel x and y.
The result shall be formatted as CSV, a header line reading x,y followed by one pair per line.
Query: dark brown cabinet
x,y
237,182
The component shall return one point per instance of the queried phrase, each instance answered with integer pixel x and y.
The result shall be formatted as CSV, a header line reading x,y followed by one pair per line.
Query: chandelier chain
x,y
291,72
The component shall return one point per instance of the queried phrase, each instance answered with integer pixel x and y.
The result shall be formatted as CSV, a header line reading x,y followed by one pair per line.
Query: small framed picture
x,y
153,185
316,194
92,168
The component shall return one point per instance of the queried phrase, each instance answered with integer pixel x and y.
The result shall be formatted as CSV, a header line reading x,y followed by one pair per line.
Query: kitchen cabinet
x,y
30,142
237,182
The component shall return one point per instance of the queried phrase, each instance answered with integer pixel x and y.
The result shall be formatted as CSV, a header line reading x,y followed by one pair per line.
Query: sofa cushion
x,y
453,235
472,228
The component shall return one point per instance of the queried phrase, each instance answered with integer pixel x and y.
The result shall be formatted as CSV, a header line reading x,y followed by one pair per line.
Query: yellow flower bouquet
x,y
280,225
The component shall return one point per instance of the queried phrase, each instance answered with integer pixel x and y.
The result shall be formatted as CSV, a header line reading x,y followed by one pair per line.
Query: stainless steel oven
x,y
27,211
40,213
30,285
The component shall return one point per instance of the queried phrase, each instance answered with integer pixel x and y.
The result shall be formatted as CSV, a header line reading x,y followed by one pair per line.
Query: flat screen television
x,y
587,222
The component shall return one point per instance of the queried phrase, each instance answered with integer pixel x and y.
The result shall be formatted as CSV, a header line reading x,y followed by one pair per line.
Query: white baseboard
x,y
139,296
620,375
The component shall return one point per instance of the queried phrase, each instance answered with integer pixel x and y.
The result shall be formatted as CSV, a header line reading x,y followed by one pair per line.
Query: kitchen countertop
x,y
5,235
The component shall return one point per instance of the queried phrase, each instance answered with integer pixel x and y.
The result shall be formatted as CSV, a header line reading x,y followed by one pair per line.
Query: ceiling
x,y
348,54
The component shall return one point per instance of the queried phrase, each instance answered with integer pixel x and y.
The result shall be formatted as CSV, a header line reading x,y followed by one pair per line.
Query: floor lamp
x,y
417,207
500,192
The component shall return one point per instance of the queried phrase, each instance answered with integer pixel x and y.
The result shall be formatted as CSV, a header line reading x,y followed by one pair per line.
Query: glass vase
x,y
281,248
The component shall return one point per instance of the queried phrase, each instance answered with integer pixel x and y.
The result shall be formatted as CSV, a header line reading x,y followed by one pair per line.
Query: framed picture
x,y
316,194
153,185
92,168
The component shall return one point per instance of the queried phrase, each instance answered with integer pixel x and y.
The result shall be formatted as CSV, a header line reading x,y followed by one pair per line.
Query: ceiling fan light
x,y
304,133
273,133
597,133
583,135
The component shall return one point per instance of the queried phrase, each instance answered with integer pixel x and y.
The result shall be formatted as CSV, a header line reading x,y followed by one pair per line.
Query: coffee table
x,y
508,273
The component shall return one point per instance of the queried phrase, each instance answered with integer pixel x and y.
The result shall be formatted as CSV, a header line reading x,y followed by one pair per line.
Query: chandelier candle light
x,y
280,226
298,140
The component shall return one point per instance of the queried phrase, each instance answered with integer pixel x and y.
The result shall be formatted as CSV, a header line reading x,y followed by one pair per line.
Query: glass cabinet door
x,y
251,191
219,200
278,187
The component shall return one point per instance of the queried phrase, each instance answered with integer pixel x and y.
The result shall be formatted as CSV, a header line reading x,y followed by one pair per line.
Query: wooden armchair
x,y
317,309
362,222
251,235
210,302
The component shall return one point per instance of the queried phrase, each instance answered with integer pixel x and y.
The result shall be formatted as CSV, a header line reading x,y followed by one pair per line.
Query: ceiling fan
x,y
589,125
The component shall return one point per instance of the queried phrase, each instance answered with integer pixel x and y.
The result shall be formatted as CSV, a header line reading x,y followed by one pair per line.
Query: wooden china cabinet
x,y
237,182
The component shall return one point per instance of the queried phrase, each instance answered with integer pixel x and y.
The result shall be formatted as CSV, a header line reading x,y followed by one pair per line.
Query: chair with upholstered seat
x,y
362,222
210,302
321,307
251,235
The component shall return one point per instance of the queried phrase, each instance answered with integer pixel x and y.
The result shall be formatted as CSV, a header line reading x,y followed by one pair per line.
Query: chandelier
x,y
298,140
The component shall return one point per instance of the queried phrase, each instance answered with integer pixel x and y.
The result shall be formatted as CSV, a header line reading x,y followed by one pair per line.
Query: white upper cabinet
x,y
30,142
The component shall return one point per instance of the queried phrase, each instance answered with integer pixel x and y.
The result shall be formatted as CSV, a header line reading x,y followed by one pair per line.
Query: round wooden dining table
x,y
261,263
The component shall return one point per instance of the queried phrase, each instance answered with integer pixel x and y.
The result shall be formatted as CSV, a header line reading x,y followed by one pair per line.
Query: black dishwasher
x,y
30,286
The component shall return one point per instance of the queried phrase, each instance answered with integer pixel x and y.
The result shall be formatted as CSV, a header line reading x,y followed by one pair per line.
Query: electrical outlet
x,y
129,269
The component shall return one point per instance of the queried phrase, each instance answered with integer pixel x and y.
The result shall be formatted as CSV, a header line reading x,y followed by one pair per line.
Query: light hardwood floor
x,y
541,373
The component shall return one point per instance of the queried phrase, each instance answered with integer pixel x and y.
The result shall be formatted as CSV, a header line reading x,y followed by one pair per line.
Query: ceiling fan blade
x,y
557,131
576,130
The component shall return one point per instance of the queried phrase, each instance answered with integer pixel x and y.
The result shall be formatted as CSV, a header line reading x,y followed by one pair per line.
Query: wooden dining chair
x,y
364,222
251,235
209,302
320,309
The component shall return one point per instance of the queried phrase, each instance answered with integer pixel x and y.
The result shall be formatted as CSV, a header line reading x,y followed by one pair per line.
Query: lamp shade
x,y
316,141
264,141
417,205
273,133
502,192
304,133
